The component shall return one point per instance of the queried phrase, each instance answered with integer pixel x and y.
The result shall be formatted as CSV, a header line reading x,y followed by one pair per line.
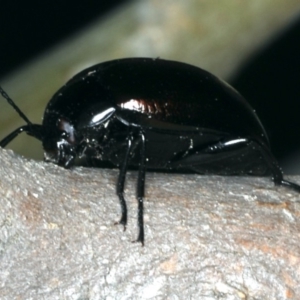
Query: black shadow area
x,y
270,81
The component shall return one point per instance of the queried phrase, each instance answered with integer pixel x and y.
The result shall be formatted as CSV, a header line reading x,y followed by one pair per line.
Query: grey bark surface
x,y
207,237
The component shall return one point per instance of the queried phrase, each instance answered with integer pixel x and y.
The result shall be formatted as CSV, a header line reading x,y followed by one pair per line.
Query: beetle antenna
x,y
17,109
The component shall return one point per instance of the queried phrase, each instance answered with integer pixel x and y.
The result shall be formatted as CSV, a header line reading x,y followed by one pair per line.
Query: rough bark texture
x,y
207,237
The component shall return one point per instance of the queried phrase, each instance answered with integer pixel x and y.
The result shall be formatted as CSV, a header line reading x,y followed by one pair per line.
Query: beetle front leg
x,y
121,182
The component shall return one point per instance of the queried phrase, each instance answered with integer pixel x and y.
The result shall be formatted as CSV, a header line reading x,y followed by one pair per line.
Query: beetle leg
x,y
32,129
121,182
291,185
141,189
274,167
267,155
13,135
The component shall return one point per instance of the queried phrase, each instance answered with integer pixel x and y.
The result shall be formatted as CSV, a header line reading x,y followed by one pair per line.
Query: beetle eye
x,y
67,131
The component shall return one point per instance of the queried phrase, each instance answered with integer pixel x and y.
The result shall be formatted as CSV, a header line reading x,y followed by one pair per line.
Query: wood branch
x,y
207,237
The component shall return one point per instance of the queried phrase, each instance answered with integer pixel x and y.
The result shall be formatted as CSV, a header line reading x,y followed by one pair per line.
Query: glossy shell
x,y
163,91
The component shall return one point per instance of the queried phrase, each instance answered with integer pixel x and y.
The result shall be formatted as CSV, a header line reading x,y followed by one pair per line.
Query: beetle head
x,y
59,143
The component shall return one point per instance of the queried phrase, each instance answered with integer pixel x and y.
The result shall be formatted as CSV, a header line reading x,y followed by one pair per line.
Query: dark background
x,y
28,28
269,80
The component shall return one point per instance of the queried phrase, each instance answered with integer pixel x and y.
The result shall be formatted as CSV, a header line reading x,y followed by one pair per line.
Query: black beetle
x,y
153,114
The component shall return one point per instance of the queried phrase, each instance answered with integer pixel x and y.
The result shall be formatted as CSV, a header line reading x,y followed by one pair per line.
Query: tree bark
x,y
207,237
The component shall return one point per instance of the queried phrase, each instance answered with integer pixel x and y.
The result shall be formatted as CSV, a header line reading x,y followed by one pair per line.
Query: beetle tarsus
x,y
121,223
140,239
141,189
291,185
123,220
276,170
140,221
